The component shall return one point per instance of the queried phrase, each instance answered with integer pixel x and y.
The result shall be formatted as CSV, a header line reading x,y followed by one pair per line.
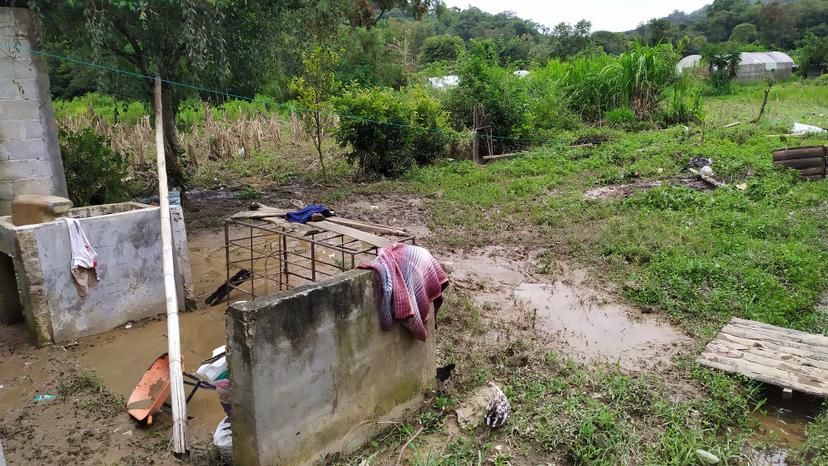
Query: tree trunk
x,y
318,142
171,146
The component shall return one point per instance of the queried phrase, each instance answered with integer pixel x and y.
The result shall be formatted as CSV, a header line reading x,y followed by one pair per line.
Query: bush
x,y
621,117
683,104
95,174
390,131
502,95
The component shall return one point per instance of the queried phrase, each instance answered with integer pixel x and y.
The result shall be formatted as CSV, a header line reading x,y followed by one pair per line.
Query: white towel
x,y
84,258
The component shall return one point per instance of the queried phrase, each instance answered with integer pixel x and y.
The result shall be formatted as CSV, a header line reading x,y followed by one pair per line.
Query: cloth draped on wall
x,y
410,279
84,258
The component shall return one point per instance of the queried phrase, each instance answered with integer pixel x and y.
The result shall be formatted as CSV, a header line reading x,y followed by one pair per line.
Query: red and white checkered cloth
x,y
410,279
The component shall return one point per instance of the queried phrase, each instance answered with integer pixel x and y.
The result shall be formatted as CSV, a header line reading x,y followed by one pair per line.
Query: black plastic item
x,y
224,290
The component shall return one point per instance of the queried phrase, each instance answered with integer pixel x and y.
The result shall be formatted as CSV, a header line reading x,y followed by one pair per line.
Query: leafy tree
x,y
390,131
661,31
181,40
612,43
502,95
366,13
812,54
777,24
722,66
744,33
567,40
441,48
314,90
723,16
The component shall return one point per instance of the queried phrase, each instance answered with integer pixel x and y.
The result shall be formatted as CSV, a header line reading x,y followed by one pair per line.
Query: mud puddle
x,y
594,328
782,421
566,312
121,356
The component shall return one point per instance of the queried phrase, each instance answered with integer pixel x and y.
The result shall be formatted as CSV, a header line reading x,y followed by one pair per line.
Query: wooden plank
x,y
775,337
365,237
367,226
745,343
262,213
500,156
293,226
773,377
707,179
776,355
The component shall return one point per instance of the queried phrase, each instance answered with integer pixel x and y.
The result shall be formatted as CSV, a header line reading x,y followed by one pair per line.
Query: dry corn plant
x,y
214,141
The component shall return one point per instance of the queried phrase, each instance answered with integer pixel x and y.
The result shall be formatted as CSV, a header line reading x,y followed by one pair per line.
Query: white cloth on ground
x,y
84,258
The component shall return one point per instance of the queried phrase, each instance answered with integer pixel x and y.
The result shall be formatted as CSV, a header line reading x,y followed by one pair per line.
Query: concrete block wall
x,y
30,161
127,238
312,370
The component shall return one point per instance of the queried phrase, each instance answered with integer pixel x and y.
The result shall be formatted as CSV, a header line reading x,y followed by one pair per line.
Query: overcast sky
x,y
610,15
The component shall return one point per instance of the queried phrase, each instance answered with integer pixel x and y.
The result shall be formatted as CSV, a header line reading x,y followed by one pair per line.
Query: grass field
x,y
755,248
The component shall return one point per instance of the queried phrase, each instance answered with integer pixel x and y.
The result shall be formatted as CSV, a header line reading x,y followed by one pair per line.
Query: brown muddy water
x,y
564,309
121,356
595,328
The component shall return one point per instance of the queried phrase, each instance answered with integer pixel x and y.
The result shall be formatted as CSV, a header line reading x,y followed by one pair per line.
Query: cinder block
x,y
11,130
19,109
12,170
30,149
6,191
16,69
36,186
11,89
33,129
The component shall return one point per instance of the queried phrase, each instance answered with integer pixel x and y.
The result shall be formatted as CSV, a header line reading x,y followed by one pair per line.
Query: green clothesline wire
x,y
208,90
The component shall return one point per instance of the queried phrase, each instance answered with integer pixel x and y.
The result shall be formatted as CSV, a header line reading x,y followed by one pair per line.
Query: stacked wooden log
x,y
809,160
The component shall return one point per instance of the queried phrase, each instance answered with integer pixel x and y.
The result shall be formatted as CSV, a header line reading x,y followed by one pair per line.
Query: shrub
x,y
683,104
621,117
390,131
95,174
501,94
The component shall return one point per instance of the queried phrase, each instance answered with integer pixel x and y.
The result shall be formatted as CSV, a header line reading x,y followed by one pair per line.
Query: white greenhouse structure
x,y
754,66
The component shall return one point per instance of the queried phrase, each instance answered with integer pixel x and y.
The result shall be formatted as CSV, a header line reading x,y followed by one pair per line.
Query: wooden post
x,y
476,136
180,441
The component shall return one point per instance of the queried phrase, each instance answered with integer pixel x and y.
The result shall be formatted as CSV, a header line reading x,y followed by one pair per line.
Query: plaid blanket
x,y
410,279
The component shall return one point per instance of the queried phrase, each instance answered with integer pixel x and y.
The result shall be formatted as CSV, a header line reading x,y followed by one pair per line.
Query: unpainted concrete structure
x,y
30,161
312,371
36,282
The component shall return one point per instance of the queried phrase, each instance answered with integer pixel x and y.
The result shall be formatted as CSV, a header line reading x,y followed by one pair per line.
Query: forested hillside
x,y
798,26
409,40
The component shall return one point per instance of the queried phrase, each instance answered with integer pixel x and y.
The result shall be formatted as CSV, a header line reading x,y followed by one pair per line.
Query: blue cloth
x,y
302,216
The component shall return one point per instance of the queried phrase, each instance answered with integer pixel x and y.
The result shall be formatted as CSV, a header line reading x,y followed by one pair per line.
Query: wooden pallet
x,y
779,356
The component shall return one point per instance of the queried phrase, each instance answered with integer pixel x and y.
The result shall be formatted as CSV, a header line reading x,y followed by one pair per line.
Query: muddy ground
x,y
555,304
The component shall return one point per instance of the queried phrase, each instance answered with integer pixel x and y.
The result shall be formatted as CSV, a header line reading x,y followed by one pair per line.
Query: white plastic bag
x,y
801,128
223,440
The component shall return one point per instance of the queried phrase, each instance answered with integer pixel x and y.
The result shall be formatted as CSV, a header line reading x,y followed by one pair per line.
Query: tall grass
x,y
595,84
